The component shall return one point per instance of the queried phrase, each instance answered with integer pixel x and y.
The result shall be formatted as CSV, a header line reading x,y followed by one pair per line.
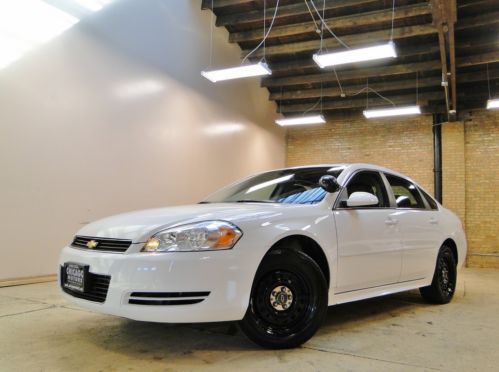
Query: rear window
x,y
406,194
433,204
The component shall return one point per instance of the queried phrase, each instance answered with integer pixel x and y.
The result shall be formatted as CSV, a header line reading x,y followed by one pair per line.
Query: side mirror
x,y
362,199
329,183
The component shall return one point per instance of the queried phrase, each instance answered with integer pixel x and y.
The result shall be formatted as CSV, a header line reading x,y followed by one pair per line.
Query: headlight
x,y
202,236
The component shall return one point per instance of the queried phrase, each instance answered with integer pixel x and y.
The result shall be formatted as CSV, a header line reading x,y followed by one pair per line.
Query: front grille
x,y
96,290
101,244
167,298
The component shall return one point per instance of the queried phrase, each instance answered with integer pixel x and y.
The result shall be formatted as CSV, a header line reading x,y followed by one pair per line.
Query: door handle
x,y
433,221
391,221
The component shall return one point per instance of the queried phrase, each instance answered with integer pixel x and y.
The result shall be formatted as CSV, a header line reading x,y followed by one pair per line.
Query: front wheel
x,y
288,300
443,286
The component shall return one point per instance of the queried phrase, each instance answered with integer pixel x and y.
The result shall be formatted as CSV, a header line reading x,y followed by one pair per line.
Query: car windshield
x,y
287,186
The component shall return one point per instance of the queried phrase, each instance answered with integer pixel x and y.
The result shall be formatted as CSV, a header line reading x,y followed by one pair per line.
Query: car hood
x,y
138,226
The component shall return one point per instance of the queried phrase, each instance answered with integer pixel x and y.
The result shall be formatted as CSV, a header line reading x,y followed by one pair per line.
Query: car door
x,y
369,252
419,230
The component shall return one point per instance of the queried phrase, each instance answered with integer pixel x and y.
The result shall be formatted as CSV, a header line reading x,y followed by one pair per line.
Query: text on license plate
x,y
75,276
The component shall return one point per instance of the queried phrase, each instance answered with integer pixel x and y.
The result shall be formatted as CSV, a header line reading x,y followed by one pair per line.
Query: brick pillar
x,y
454,169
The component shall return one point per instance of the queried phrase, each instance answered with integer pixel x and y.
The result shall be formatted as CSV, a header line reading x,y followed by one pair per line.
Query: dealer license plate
x,y
74,276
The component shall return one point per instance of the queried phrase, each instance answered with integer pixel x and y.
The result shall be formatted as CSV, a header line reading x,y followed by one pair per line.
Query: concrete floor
x,y
39,331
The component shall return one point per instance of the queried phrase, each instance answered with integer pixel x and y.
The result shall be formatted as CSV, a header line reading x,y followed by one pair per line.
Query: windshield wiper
x,y
253,201
204,202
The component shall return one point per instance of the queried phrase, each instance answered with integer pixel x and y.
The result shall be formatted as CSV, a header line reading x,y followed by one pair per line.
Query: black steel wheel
x,y
288,300
443,286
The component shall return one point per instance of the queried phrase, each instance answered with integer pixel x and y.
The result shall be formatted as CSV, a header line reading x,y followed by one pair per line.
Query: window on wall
x,y
406,194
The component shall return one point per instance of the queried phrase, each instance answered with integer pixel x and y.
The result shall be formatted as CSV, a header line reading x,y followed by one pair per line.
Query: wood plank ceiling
x,y
443,46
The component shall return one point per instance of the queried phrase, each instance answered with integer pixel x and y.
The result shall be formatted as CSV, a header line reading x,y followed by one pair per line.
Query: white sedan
x,y
272,251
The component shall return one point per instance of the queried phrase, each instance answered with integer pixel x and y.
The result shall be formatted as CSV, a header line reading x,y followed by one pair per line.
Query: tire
x,y
443,286
288,302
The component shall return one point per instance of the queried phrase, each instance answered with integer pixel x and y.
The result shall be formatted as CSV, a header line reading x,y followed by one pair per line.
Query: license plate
x,y
74,276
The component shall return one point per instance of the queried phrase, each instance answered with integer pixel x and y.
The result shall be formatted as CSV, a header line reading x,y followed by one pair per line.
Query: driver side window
x,y
366,181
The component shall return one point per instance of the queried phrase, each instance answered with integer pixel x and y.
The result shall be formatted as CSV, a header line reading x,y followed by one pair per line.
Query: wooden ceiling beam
x,y
308,63
345,103
433,81
394,85
351,74
243,18
478,59
377,71
366,38
476,76
294,38
217,4
477,21
356,20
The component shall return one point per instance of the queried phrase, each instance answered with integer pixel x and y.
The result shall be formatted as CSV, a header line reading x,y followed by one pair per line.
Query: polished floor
x,y
39,331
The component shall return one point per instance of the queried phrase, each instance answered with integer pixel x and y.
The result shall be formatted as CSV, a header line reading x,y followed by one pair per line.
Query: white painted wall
x,y
114,116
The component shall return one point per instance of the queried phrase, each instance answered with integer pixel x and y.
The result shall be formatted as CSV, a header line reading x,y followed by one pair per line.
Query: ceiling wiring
x,y
211,33
265,35
488,80
326,26
368,89
393,19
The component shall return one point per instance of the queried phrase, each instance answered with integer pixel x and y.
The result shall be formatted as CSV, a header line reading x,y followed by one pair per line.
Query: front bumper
x,y
226,275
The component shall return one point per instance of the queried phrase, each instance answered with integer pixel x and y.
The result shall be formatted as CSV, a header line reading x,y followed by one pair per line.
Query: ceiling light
x,y
355,55
395,111
493,104
257,69
301,120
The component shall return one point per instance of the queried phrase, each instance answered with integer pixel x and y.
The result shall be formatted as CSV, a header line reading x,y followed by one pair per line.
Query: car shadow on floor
x,y
157,340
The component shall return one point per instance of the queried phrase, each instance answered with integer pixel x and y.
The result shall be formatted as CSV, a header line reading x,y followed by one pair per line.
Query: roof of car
x,y
351,167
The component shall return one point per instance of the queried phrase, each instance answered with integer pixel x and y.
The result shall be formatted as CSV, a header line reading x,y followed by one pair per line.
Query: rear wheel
x,y
288,300
443,286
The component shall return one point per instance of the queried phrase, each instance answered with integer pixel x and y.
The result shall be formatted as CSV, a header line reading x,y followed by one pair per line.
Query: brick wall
x,y
470,160
481,131
404,145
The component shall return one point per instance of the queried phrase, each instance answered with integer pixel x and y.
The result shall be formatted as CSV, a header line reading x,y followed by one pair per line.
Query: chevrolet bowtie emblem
x,y
91,244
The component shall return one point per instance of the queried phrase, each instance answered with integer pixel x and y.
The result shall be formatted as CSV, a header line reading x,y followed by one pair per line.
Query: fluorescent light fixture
x,y
301,120
270,183
394,111
493,104
355,55
257,69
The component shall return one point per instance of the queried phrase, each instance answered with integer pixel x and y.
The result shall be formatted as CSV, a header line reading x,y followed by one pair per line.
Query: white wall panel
x,y
114,116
